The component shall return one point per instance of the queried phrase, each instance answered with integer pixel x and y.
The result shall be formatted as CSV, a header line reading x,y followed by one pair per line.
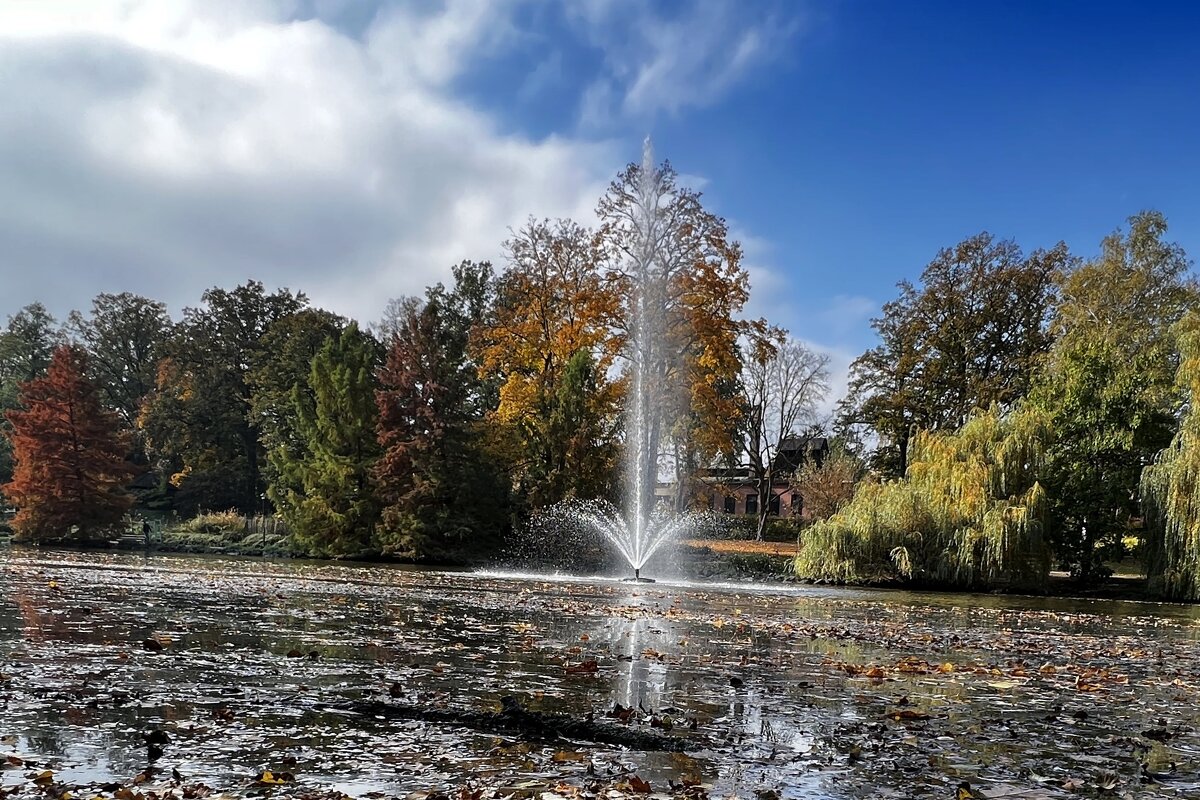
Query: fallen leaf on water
x,y
586,668
638,785
907,714
563,756
268,778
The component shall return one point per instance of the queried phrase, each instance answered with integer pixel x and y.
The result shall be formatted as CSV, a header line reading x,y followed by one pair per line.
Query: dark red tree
x,y
71,455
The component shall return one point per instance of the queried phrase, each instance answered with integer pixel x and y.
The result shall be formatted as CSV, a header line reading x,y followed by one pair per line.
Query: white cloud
x,y
691,59
168,147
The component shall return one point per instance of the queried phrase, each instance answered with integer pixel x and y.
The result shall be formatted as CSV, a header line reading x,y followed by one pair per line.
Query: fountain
x,y
562,534
642,528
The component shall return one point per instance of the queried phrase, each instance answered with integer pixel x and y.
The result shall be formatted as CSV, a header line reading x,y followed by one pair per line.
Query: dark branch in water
x,y
530,725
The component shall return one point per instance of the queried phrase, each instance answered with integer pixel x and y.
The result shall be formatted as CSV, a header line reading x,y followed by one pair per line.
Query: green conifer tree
x,y
334,512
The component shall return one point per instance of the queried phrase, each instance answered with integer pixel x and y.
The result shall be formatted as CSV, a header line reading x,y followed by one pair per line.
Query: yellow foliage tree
x,y
552,303
968,514
1171,485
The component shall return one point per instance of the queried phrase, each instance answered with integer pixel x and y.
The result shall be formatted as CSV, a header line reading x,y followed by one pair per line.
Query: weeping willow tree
x,y
968,513
1170,487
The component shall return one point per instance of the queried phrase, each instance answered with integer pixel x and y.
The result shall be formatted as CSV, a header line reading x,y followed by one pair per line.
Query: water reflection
x,y
774,680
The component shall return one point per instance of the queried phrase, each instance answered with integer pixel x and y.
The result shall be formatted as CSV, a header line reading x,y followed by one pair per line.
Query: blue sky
x,y
357,149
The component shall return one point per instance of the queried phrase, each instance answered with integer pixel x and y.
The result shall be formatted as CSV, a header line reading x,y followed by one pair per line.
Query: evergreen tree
x,y
71,469
581,445
281,365
333,510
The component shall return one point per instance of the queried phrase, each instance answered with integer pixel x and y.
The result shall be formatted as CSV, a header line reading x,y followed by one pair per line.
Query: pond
x,y
120,672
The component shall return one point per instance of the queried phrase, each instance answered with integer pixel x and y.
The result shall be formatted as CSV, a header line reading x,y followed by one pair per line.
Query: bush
x,y
225,522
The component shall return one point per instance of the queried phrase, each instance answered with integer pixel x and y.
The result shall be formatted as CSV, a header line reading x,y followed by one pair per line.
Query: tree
x,y
552,306
1109,386
326,494
826,487
582,436
71,468
783,381
282,364
442,496
198,421
1170,487
124,337
972,335
26,345
683,288
970,513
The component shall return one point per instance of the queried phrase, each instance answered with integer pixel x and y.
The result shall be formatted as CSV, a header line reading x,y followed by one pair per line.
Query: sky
x,y
355,150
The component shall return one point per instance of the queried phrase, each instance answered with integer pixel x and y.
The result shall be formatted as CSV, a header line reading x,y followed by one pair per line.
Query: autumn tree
x,y
442,495
553,305
71,469
783,382
1170,487
972,334
26,345
198,421
1109,386
583,453
683,288
970,512
325,493
826,486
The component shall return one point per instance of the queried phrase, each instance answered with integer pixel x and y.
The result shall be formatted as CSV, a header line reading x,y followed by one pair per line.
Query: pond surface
x,y
779,691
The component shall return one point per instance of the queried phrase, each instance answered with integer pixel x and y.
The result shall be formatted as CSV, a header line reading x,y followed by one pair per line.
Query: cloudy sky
x,y
356,149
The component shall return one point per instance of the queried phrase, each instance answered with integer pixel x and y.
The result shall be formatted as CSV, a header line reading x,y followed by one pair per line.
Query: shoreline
x,y
716,559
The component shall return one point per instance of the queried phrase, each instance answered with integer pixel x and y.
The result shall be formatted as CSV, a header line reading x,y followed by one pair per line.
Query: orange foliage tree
x,y
71,455
553,305
656,231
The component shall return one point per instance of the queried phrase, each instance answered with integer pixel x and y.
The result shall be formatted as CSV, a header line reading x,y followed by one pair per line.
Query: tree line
x,y
426,435
1024,411
1020,412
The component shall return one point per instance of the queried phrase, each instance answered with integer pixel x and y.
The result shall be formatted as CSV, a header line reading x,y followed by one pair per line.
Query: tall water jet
x,y
648,240
643,455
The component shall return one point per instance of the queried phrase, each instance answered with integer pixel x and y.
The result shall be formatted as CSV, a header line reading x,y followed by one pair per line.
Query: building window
x,y
751,504
797,505
730,505
773,505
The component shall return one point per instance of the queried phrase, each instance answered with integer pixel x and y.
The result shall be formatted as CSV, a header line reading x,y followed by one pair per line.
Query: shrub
x,y
225,522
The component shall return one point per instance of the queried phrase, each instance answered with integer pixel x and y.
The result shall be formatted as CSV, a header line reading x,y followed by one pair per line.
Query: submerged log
x,y
515,720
